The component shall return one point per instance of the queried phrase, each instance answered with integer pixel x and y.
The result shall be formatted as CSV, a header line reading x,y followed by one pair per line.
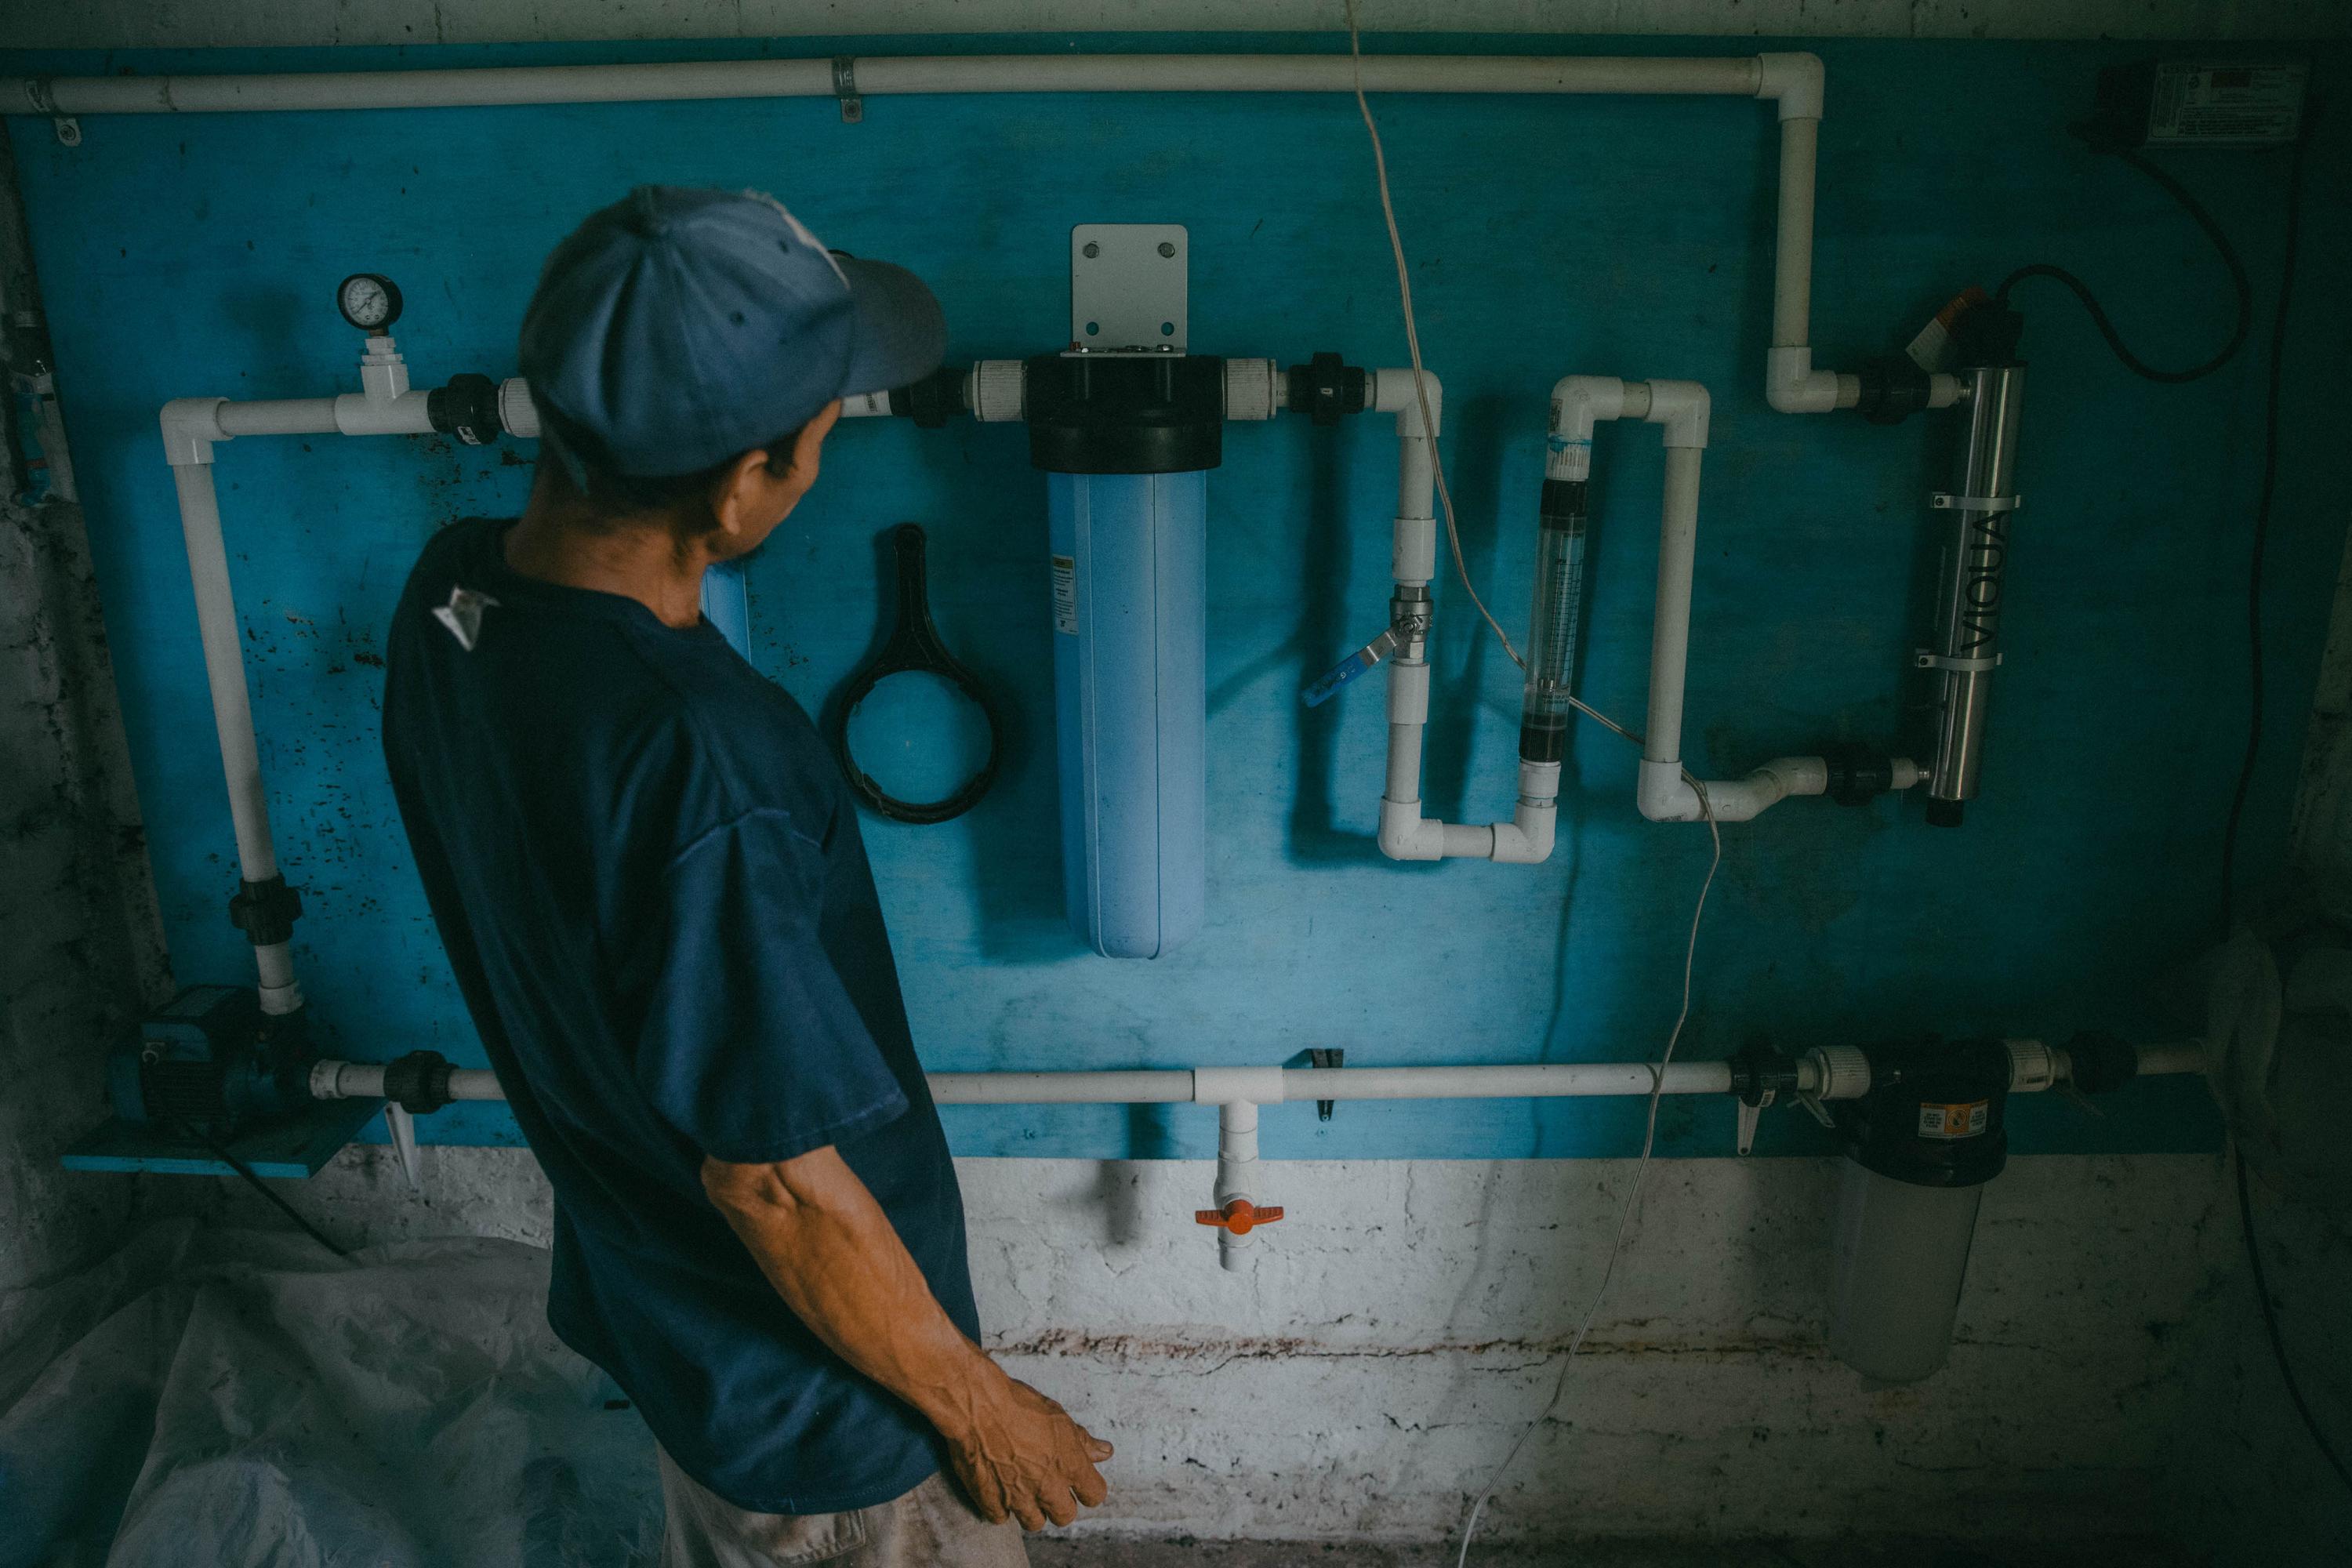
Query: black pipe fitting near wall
x,y
418,1082
1326,389
1892,389
1933,1116
1857,776
2098,1062
467,408
266,911
1124,413
934,400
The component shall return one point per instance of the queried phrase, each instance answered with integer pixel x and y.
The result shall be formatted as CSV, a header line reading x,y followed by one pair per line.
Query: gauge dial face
x,y
368,301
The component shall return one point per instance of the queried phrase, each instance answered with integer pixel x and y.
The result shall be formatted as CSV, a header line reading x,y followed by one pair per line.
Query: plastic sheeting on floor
x,y
241,1399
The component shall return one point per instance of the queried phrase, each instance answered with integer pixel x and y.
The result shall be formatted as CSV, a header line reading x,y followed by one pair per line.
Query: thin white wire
x,y
1641,1168
1412,339
1420,383
1706,808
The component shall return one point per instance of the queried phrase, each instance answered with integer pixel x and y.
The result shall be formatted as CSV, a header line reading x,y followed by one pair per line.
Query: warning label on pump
x,y
1065,595
1967,1121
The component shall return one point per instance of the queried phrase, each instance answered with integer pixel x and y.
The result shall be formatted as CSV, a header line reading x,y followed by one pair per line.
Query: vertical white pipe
x,y
1669,631
224,650
1236,1172
1793,256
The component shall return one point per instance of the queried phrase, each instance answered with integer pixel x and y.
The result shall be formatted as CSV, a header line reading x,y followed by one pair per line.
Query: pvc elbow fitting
x,y
1527,838
1406,835
1793,386
1393,393
1683,407
191,426
1661,794
1578,404
1794,80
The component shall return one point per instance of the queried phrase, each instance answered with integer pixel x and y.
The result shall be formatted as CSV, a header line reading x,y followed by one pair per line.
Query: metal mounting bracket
x,y
1927,658
1749,1114
844,88
45,101
1943,500
1128,287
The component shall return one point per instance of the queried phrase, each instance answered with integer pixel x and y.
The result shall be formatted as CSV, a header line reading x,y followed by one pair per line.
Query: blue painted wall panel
x,y
197,255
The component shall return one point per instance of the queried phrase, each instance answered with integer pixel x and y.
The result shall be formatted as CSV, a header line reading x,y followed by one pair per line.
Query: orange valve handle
x,y
1239,1215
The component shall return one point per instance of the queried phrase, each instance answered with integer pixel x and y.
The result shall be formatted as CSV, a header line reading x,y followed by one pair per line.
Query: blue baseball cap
x,y
676,329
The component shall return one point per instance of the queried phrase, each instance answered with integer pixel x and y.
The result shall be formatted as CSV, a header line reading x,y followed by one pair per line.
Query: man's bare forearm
x,y
838,1263
835,1257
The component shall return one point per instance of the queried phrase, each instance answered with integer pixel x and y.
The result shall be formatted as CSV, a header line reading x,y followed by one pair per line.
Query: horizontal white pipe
x,y
1146,1088
1274,1086
1791,80
885,75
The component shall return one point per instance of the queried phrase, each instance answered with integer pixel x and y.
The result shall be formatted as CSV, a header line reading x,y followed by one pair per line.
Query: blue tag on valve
x,y
1348,669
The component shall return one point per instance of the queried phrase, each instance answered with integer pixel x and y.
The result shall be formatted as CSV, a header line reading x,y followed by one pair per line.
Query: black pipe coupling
x,y
467,408
418,1082
1326,389
266,911
1857,774
1892,389
931,402
2098,1062
1759,1073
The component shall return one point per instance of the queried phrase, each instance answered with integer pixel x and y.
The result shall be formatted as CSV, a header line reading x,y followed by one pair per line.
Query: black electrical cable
x,y
2229,253
221,1152
2271,399
2260,542
2270,1322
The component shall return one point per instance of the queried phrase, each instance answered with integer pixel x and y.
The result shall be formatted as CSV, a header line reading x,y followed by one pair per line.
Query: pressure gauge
x,y
369,300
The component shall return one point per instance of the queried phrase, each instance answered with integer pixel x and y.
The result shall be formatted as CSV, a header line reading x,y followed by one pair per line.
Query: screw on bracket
x,y
45,101
1323,1058
844,88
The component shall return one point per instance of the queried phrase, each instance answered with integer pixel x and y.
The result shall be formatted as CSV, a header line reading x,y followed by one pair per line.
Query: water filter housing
x,y
1131,591
1127,441
1920,1146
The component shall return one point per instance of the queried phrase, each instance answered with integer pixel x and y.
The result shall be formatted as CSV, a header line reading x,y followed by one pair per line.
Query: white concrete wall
x,y
135,24
1407,1318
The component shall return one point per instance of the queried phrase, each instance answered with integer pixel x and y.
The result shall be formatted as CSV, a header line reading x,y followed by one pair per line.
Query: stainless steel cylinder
x,y
1969,602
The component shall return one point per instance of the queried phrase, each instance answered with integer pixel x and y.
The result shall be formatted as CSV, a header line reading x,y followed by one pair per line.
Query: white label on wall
x,y
2226,105
1065,595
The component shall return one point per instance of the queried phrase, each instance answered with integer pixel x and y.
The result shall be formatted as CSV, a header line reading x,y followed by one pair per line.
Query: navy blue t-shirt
x,y
648,873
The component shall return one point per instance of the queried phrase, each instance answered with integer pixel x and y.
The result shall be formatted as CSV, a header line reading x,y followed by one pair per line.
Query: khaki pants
x,y
930,1527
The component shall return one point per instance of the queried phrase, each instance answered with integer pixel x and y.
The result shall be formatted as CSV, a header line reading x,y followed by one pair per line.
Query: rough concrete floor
x,y
1050,1553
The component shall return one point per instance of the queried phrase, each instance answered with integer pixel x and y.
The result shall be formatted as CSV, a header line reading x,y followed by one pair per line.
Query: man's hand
x,y
832,1255
1017,1452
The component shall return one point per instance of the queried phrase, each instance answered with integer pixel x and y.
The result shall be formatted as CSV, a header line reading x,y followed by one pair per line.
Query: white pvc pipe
x,y
1275,1086
1237,1175
1404,833
1579,403
1791,80
886,77
224,650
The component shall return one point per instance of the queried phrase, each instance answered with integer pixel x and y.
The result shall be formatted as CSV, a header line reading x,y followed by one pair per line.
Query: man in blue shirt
x,y
648,875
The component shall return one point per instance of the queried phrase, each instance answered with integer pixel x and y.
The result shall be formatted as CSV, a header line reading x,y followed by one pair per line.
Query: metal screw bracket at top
x,y
45,101
844,88
1129,286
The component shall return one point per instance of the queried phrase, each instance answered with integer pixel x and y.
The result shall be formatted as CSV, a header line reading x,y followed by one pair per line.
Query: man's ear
x,y
759,489
743,501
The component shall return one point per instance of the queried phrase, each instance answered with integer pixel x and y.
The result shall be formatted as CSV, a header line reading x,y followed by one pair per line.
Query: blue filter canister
x,y
1127,439
727,605
1130,682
